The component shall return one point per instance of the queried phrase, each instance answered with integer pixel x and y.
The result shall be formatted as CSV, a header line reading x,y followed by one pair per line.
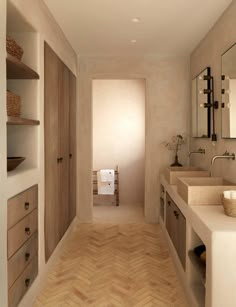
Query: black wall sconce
x,y
214,105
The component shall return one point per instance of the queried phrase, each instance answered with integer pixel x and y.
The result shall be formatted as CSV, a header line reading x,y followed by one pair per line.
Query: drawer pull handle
x,y
27,256
169,203
59,160
70,155
27,282
27,204
27,230
176,214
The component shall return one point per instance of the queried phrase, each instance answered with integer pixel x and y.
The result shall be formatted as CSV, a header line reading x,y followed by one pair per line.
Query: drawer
x,y
21,232
21,205
22,258
22,284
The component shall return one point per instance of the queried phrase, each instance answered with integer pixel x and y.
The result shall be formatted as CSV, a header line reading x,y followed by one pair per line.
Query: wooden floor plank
x,y
126,265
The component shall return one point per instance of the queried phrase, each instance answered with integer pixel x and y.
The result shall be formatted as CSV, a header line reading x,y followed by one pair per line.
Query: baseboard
x,y
89,221
39,283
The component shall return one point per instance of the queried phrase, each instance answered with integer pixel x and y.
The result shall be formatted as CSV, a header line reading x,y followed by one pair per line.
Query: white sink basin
x,y
203,190
173,173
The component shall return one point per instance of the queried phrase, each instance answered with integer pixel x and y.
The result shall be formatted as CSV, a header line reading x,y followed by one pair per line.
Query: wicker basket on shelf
x,y
14,49
229,206
13,104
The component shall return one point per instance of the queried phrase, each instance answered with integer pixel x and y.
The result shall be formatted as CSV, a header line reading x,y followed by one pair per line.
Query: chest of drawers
x,y
22,243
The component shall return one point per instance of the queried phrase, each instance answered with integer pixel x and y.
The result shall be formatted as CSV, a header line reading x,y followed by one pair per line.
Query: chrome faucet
x,y
199,150
226,155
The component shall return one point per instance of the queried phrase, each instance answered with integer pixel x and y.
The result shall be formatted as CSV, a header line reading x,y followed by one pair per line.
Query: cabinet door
x,y
63,147
168,214
51,137
174,225
181,238
72,154
60,90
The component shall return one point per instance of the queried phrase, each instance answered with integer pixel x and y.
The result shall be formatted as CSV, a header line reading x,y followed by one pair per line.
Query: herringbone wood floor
x,y
107,265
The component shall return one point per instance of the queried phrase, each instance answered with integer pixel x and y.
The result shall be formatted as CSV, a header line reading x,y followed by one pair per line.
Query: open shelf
x,y
11,120
18,70
199,267
21,179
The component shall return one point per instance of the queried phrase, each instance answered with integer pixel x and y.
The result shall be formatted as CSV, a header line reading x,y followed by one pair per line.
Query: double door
x,y
60,150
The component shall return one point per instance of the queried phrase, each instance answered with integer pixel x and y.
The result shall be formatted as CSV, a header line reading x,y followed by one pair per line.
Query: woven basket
x,y
14,49
13,104
229,206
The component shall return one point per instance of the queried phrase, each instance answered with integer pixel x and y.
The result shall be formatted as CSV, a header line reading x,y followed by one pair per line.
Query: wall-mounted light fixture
x,y
214,105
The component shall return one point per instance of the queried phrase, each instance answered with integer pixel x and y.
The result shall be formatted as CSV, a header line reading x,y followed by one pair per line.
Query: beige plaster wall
x,y
167,109
36,13
208,53
119,134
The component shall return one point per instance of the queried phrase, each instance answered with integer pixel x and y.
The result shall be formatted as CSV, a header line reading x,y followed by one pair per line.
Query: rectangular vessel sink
x,y
203,191
173,173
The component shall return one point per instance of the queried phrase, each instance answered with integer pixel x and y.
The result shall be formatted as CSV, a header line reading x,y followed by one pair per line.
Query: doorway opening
x,y
119,143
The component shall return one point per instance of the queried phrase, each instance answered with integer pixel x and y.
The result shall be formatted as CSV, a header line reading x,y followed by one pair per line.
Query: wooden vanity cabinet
x,y
176,227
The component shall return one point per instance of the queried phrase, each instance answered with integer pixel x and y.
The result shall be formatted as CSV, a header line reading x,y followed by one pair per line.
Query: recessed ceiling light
x,y
133,41
136,20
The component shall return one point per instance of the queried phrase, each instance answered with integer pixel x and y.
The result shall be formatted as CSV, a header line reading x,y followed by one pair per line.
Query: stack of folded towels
x,y
230,194
106,181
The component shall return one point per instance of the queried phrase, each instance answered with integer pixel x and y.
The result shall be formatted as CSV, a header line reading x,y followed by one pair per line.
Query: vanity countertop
x,y
215,218
210,217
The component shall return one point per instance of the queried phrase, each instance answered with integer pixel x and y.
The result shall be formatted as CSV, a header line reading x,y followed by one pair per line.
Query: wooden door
x,y
60,149
51,136
72,146
63,157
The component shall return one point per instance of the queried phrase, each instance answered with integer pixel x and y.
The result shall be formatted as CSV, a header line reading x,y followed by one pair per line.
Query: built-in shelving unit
x,y
18,70
22,141
22,79
199,267
11,120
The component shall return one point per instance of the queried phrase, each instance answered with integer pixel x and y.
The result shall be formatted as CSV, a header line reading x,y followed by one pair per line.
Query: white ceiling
x,y
167,27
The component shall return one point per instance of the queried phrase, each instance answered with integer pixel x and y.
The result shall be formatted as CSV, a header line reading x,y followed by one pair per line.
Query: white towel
x,y
107,175
105,188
